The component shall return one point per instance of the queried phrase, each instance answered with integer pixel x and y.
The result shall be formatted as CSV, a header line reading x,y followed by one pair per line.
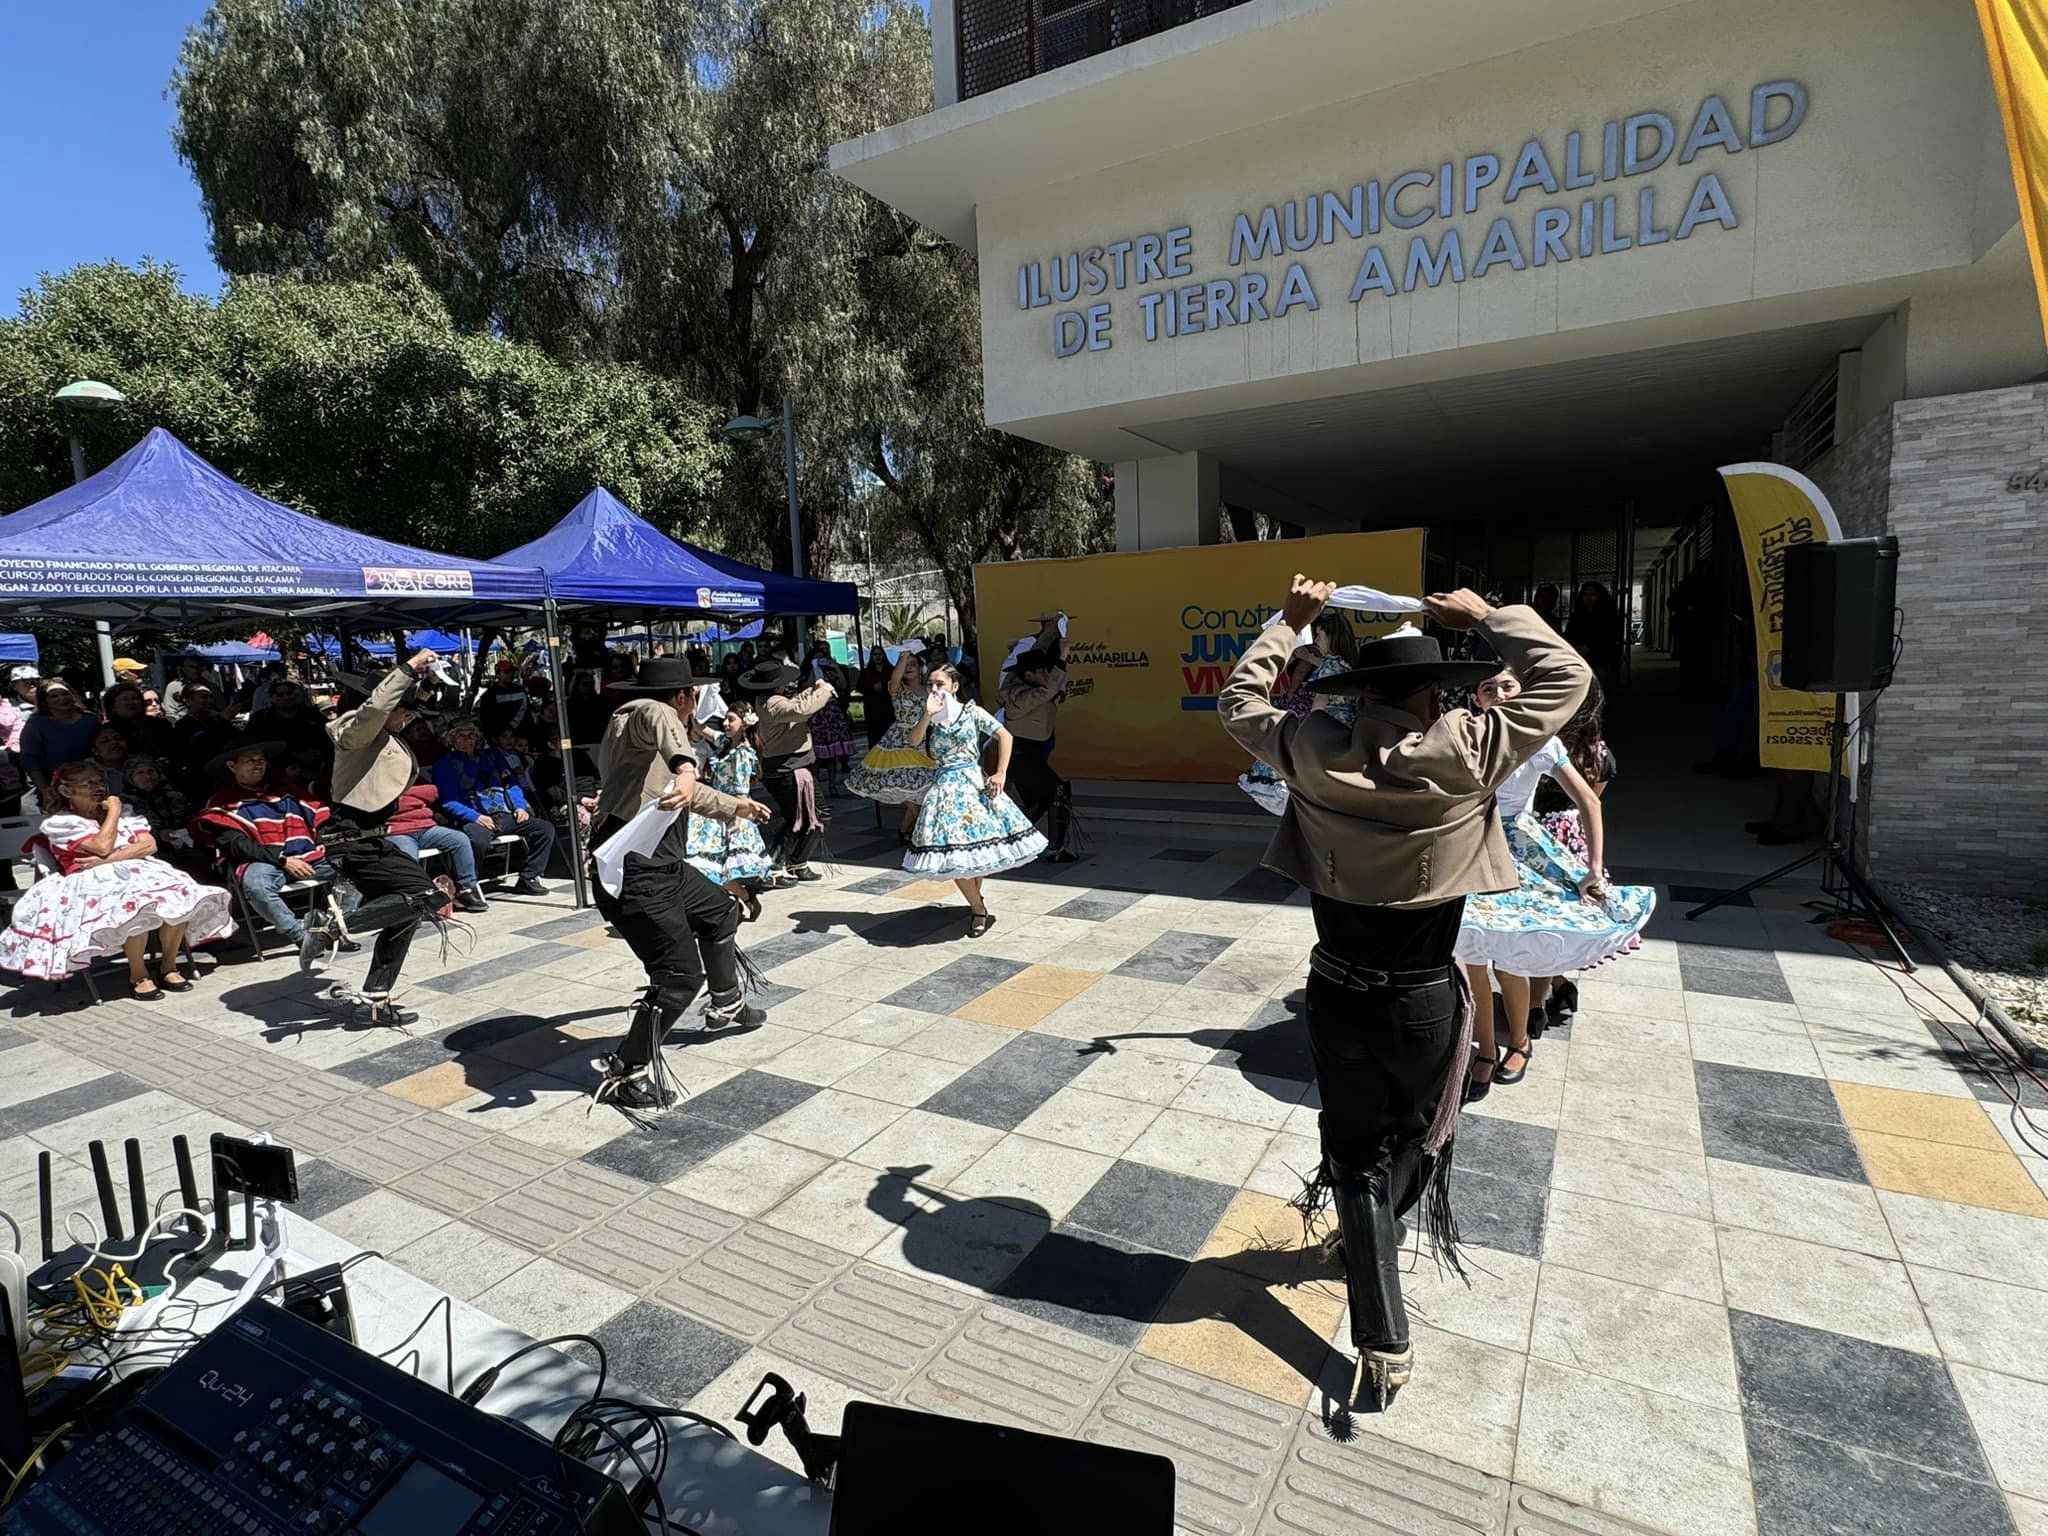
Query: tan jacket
x,y
1031,709
372,768
785,719
640,741
1388,813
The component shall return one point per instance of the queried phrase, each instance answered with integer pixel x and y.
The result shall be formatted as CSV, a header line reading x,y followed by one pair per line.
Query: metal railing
x,y
1004,41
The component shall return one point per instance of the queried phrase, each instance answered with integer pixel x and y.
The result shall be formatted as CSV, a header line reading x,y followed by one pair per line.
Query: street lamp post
x,y
79,398
752,428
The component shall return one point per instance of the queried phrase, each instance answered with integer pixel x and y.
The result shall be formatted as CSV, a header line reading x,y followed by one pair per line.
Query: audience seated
x,y
264,831
126,707
59,732
110,756
413,827
201,734
480,790
290,719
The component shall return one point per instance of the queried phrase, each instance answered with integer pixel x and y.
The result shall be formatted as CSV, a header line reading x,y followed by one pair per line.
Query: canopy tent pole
x,y
568,749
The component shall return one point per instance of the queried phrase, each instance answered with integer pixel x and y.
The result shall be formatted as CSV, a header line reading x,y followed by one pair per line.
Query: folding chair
x,y
256,927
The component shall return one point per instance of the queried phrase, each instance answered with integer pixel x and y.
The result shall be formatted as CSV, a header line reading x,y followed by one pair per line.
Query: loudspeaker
x,y
1839,599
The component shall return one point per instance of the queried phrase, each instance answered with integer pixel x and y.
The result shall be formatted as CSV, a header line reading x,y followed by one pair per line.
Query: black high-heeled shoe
x,y
981,923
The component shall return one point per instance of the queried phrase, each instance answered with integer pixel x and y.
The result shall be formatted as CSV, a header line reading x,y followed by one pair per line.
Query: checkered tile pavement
x,y
1753,1247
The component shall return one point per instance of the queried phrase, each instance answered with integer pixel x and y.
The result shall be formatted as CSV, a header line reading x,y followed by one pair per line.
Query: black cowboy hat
x,y
218,763
768,676
1395,665
659,676
415,698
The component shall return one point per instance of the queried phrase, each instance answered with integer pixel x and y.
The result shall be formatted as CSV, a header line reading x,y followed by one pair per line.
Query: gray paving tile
x,y
1496,1212
1364,1482
10,1037
477,1175
1153,1208
1099,906
1007,1368
394,1062
1260,885
1004,1088
1227,1446
872,1328
955,983
1186,855
658,1152
747,1101
498,968
562,927
556,1208
1889,1402
1775,1141
1804,1484
1790,1095
68,1103
782,948
1534,1513
1750,973
648,1241
1506,1149
669,1357
1274,1044
883,883
1174,957
750,1281
350,1121
323,1187
1093,1284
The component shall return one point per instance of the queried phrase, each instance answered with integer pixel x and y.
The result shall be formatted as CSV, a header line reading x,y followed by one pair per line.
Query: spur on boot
x,y
1380,1374
631,1087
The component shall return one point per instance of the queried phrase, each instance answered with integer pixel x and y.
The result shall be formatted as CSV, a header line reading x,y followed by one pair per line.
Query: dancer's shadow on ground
x,y
1012,1249
1274,1045
888,930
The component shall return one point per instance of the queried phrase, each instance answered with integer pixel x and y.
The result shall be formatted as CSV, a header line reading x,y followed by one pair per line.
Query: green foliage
x,y
637,181
359,401
898,622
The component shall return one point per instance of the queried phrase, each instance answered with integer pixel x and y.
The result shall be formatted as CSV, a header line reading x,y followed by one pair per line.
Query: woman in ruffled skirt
x,y
733,856
1562,915
1553,1000
896,771
832,740
967,828
1334,650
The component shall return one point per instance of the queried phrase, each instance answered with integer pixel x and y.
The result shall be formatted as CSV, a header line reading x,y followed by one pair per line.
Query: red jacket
x,y
414,812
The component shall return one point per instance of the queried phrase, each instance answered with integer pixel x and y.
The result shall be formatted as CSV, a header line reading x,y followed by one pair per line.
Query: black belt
x,y
1348,973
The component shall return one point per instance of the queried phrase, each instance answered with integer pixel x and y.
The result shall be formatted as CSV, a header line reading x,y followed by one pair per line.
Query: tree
x,y
358,401
640,181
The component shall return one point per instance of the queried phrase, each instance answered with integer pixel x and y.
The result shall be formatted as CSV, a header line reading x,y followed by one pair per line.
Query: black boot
x,y
1372,1275
1059,827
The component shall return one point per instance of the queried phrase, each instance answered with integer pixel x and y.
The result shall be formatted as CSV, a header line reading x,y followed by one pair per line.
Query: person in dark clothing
x,y
480,790
199,736
783,726
679,924
290,720
265,831
1594,630
1390,824
127,711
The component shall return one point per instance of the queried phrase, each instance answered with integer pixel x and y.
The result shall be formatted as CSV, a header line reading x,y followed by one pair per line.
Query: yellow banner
x,y
1154,633
2016,43
1775,508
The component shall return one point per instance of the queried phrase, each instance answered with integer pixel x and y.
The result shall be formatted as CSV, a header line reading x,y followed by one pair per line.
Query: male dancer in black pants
x,y
1030,693
783,727
1391,824
372,767
678,924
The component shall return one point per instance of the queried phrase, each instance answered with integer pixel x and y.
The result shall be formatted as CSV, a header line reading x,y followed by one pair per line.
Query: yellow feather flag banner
x,y
2016,41
1776,508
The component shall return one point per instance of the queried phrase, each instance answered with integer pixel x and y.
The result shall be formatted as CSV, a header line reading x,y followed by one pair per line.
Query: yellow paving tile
x,y
1054,981
1231,1326
927,890
1922,1116
1007,1007
1939,1171
1262,1235
450,1081
589,938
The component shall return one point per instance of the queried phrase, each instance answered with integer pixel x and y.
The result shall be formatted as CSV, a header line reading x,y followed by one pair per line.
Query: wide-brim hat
x,y
414,699
1399,664
767,676
660,675
218,763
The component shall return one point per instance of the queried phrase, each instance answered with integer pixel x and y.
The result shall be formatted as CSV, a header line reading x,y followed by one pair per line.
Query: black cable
x,y
342,1268
444,1304
480,1386
649,1481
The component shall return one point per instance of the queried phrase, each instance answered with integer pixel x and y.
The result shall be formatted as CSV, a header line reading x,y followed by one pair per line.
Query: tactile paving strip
x,y
557,1206
1226,1445
478,1174
1538,1514
647,1241
351,1120
390,1154
872,1328
1368,1484
751,1281
1007,1368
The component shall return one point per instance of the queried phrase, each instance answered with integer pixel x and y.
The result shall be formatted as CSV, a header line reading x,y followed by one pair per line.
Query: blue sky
x,y
88,172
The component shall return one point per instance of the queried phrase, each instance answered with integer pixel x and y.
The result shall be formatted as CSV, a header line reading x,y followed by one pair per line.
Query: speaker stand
x,y
1833,855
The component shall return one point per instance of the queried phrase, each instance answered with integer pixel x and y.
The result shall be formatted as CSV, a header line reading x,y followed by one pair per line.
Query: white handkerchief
x,y
710,704
641,835
951,711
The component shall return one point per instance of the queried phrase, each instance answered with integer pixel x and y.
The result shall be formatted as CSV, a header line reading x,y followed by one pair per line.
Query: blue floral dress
x,y
1260,781
894,772
962,830
725,853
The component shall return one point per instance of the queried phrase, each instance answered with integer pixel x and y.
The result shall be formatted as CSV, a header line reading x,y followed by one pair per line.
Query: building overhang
x,y
1244,67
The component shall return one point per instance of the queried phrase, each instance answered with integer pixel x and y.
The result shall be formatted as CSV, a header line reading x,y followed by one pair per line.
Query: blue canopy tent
x,y
231,653
17,648
160,538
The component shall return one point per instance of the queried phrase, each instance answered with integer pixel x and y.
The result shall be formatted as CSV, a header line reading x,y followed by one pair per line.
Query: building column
x,y
1168,503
